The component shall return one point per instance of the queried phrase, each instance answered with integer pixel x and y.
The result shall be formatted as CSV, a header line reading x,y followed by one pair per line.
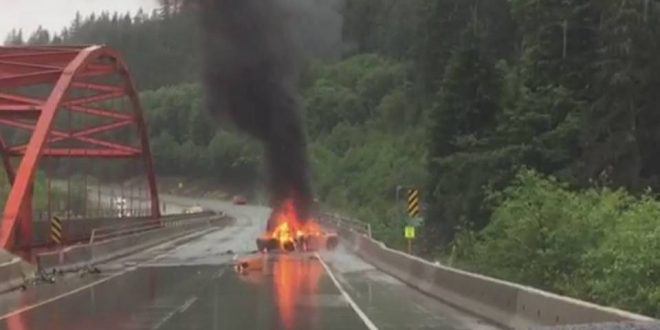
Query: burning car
x,y
287,233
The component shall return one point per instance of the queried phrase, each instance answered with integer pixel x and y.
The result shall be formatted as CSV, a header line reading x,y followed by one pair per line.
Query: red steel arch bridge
x,y
40,87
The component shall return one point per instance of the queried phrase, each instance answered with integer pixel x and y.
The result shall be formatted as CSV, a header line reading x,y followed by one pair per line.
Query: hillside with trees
x,y
530,125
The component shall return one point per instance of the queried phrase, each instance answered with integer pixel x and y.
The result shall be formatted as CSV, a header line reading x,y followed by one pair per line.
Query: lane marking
x,y
90,285
370,325
164,320
63,295
187,304
181,309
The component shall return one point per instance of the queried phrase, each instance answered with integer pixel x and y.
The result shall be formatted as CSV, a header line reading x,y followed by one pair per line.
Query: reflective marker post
x,y
409,233
413,203
413,214
56,230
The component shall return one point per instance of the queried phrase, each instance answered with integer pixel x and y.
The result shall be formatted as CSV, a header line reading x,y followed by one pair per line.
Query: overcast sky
x,y
56,14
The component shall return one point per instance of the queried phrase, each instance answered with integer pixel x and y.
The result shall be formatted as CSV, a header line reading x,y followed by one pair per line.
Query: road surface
x,y
191,284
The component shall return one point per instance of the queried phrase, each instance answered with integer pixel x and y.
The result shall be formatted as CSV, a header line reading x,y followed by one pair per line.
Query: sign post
x,y
413,214
409,233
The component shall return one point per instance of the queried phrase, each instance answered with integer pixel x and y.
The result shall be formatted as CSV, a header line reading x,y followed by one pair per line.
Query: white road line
x,y
370,325
85,287
165,319
171,314
63,295
187,304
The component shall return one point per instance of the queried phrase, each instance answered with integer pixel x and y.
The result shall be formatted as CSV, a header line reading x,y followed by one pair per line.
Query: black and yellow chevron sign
x,y
413,203
56,230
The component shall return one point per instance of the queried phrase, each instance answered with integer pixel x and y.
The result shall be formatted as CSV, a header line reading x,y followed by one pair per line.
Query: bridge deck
x,y
191,285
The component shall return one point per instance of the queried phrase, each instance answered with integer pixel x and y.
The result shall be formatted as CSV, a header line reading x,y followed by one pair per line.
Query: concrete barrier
x,y
507,304
78,230
78,256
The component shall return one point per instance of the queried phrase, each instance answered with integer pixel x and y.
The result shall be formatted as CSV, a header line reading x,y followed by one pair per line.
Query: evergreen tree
x,y
555,82
40,37
621,140
15,38
462,124
440,25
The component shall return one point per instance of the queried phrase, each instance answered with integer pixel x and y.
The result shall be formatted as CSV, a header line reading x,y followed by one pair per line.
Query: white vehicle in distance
x,y
195,209
120,205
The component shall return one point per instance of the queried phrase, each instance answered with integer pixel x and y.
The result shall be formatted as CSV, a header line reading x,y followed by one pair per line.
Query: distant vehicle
x,y
120,205
119,202
195,209
239,200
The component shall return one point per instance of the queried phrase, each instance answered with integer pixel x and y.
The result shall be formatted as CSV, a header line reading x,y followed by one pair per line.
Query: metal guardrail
x,y
343,222
41,215
116,241
133,226
103,233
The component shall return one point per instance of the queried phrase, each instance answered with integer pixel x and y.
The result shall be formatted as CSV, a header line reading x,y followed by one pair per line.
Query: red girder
x,y
82,135
6,161
97,87
95,99
41,57
20,99
18,107
99,112
65,69
88,153
22,111
20,67
27,79
98,70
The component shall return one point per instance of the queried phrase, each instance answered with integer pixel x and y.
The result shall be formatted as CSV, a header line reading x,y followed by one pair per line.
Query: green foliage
x,y
350,91
185,138
455,96
353,107
597,244
623,270
388,27
461,127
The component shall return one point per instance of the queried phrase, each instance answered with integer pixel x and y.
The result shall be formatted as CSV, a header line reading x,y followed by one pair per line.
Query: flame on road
x,y
288,228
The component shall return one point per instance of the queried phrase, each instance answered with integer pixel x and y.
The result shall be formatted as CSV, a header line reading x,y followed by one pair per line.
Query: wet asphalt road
x,y
192,285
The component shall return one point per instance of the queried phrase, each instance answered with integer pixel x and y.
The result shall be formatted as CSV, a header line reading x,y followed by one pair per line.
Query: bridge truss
x,y
39,88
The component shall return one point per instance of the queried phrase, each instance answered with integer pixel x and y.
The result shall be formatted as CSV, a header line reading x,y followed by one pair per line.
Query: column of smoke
x,y
252,51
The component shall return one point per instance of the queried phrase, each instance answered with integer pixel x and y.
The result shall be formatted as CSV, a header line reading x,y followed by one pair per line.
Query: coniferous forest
x,y
532,127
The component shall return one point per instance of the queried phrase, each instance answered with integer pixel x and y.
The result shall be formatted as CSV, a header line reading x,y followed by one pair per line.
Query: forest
x,y
531,127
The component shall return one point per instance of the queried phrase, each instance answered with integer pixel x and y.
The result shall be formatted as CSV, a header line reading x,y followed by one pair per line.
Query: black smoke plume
x,y
250,73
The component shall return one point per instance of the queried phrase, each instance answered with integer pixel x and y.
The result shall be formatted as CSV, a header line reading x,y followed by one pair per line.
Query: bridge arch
x,y
37,83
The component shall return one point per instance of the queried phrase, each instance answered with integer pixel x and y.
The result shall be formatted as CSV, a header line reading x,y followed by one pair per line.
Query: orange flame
x,y
288,227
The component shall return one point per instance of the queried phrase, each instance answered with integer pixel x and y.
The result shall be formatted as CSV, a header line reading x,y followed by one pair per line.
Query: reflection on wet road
x,y
192,285
201,297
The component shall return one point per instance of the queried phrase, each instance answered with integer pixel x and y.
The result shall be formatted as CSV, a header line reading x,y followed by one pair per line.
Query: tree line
x,y
480,103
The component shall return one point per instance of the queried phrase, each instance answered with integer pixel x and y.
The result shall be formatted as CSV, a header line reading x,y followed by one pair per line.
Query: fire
x,y
288,228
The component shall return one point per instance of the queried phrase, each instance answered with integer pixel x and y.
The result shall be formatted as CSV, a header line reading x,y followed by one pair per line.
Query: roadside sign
x,y
56,230
409,232
413,203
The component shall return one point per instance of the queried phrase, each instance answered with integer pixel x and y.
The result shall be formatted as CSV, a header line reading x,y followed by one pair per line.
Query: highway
x,y
191,284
